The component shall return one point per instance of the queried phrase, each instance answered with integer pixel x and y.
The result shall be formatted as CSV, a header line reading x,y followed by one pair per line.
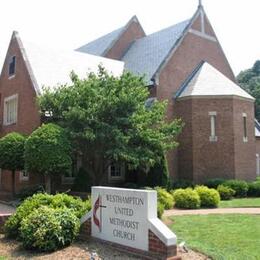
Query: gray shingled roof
x,y
206,80
145,55
99,46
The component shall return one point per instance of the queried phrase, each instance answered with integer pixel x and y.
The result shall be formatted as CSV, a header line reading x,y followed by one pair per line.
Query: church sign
x,y
122,216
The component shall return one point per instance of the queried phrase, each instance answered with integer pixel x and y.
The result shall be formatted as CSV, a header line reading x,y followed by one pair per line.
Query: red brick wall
x,y
245,160
213,159
133,32
184,60
28,116
229,157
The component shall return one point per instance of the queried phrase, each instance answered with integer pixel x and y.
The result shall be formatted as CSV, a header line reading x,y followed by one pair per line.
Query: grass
x,y
222,237
240,203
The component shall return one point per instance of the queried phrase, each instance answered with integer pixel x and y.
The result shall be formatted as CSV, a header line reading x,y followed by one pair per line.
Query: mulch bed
x,y
12,249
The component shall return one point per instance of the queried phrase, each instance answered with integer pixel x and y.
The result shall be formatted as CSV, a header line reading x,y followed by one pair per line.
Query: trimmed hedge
x,y
240,187
214,183
226,193
48,229
165,198
186,198
209,198
253,189
160,209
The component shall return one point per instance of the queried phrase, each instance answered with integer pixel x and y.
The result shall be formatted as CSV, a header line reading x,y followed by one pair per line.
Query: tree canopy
x,y
12,154
250,80
48,152
109,119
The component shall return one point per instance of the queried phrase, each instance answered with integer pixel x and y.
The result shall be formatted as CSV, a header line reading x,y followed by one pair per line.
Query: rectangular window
x,y
213,118
11,70
24,176
245,137
116,172
69,177
10,110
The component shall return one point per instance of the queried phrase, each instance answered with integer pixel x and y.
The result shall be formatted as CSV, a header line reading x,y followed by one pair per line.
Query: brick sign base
x,y
157,249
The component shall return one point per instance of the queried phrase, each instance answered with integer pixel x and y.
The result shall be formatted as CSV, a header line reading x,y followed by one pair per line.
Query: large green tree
x,y
48,152
12,154
250,80
109,119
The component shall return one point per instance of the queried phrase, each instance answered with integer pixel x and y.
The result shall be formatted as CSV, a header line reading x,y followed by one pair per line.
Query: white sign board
x,y
122,215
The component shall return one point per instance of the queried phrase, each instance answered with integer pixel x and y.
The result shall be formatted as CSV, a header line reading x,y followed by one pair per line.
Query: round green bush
x,y
253,189
186,198
240,187
48,229
160,209
225,192
164,198
209,198
62,201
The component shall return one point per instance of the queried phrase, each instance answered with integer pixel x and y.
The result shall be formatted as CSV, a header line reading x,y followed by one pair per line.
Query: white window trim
x,y
22,177
116,178
13,75
7,99
213,137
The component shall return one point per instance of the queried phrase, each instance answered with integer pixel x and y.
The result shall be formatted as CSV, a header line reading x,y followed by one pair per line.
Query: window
x,y
69,177
24,176
213,117
245,138
11,70
116,172
10,110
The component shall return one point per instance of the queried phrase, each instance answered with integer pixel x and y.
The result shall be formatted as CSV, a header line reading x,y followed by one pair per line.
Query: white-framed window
x,y
245,137
24,176
11,67
10,109
213,119
116,172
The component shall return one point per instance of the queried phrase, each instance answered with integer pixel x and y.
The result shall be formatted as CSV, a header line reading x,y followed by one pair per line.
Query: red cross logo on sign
x,y
98,219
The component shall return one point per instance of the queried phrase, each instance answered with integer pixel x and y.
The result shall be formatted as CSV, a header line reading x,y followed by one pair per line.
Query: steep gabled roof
x,y
50,67
146,54
205,80
103,44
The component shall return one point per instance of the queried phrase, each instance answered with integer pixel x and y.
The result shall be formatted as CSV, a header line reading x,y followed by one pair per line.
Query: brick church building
x,y
183,64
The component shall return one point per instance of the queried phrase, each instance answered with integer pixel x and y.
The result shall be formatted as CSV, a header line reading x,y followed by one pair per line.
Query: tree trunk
x,y
48,183
13,183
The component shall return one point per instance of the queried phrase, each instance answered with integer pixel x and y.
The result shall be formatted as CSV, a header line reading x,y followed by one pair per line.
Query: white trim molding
x,y
7,120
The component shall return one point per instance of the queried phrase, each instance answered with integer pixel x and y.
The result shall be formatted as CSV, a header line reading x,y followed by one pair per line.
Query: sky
x,y
68,24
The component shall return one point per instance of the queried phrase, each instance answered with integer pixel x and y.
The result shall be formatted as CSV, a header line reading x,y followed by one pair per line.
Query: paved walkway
x,y
6,209
180,212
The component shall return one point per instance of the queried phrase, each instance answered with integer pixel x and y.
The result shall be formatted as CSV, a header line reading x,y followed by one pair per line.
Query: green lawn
x,y
225,237
240,203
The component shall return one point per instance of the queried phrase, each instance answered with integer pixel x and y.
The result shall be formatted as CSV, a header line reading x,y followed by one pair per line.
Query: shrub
x,y
226,193
182,184
214,183
164,198
209,198
186,198
158,175
47,229
240,187
30,191
254,189
160,209
83,181
62,201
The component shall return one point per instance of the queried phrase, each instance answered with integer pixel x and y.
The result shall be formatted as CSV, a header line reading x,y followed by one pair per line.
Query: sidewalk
x,y
180,212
